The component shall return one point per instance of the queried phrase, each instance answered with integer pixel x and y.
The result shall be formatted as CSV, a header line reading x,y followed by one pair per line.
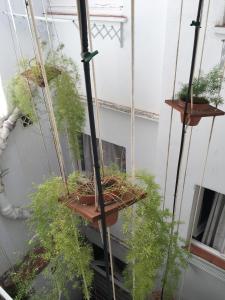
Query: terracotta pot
x,y
190,119
38,78
110,220
90,199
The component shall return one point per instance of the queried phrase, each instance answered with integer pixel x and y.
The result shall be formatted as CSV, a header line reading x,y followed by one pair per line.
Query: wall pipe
x,y
86,57
6,208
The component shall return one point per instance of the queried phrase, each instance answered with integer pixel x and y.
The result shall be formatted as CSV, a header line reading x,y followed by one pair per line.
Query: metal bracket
x,y
87,56
195,23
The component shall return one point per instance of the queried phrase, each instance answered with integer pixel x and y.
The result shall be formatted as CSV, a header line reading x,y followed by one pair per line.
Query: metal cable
x,y
173,96
47,93
197,28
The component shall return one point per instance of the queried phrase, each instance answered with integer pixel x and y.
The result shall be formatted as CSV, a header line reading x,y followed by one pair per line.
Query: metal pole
x,y
86,57
197,24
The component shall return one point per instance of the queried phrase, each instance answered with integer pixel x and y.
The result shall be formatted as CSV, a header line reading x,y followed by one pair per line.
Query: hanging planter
x,y
205,92
118,193
63,79
33,74
195,112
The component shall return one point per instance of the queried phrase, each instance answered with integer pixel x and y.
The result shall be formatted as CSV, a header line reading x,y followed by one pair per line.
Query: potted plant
x,y
148,245
63,78
205,90
118,193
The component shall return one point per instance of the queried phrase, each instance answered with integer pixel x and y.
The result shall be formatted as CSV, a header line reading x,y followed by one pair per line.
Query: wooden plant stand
x,y
194,115
93,214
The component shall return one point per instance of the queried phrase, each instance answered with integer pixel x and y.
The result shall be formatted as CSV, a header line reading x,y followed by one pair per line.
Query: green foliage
x,y
148,243
205,88
63,79
58,232
214,79
20,96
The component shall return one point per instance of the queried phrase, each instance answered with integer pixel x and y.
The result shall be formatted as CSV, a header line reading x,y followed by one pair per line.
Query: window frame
x,y
197,248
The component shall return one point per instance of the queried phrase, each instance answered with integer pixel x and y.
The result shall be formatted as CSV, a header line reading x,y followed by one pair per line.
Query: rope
x,y
100,145
184,181
132,133
201,182
47,92
132,91
199,73
173,96
82,16
111,263
98,128
204,168
47,27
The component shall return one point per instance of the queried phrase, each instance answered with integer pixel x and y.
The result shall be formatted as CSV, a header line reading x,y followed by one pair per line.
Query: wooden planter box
x,y
194,115
114,202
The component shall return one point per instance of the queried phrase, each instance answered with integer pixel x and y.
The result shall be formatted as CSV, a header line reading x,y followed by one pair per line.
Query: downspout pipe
x,y
6,208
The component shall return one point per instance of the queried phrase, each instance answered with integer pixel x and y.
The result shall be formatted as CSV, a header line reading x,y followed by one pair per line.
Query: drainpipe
x,y
4,294
6,208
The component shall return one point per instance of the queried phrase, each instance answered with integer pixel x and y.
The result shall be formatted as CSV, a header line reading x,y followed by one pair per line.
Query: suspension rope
x,y
47,92
132,128
173,96
197,28
184,181
205,163
111,263
199,73
202,180
132,91
98,129
47,27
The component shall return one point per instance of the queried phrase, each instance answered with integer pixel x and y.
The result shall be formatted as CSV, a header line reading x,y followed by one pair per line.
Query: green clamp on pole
x,y
195,23
87,56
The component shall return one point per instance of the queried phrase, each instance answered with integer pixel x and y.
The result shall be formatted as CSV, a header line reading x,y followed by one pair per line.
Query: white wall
x,y
200,135
115,62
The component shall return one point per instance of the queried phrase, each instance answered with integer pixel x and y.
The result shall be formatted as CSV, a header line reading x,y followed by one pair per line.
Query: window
x,y
113,155
3,101
209,227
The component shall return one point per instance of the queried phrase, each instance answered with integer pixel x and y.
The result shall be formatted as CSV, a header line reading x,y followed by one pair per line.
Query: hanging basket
x,y
195,113
34,74
116,196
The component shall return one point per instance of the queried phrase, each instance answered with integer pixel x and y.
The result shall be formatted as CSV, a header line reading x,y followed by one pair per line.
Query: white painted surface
x,y
3,101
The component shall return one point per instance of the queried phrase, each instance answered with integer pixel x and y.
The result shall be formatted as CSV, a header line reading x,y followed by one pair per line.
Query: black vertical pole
x,y
197,24
86,55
